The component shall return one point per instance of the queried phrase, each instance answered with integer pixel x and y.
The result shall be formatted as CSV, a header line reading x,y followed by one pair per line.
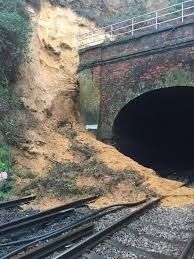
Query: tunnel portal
x,y
157,129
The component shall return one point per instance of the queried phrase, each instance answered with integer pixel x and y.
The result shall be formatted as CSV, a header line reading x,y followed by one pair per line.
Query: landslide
x,y
58,158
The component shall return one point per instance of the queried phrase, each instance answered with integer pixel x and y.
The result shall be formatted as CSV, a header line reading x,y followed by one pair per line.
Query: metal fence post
x,y
156,20
132,26
182,12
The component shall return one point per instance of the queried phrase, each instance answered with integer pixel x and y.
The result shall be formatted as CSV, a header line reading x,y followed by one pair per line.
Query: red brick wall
x,y
124,74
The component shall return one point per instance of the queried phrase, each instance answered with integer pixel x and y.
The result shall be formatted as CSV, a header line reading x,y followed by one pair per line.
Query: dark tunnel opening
x,y
157,129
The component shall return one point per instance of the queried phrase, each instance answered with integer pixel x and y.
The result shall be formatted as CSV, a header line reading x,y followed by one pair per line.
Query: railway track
x,y
17,202
187,180
134,230
41,217
26,229
153,233
23,249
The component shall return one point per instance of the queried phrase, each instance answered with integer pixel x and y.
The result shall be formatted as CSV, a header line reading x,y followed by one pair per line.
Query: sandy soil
x,y
48,89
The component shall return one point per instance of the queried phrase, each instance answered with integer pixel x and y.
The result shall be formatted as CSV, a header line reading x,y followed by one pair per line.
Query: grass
x,y
6,189
6,186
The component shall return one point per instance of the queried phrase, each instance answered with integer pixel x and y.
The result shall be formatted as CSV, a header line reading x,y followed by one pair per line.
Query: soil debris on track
x,y
49,90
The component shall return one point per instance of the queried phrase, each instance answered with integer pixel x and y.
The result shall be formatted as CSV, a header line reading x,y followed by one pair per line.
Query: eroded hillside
x,y
65,160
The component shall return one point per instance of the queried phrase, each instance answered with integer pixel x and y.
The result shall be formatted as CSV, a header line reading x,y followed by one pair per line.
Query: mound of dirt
x,y
58,156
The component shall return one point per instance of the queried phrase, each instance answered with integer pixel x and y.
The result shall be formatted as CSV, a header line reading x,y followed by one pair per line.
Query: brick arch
x,y
156,128
128,68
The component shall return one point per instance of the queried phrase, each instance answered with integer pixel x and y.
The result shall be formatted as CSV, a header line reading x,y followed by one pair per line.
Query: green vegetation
x,y
4,160
14,37
6,186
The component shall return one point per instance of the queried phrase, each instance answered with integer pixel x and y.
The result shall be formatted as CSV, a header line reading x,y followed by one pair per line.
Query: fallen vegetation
x,y
90,177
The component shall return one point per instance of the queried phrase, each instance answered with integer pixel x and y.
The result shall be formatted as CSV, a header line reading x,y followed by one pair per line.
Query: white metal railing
x,y
142,23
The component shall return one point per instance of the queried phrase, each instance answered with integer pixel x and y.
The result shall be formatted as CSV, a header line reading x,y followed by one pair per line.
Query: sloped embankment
x,y
59,159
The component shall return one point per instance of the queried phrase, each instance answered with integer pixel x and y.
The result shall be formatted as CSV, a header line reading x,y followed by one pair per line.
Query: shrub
x,y
6,186
4,159
14,37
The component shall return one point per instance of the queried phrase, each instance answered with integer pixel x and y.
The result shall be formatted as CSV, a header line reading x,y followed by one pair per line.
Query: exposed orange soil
x,y
48,89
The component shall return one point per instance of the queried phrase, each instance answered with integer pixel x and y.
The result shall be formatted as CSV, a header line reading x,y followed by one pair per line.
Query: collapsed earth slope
x,y
49,90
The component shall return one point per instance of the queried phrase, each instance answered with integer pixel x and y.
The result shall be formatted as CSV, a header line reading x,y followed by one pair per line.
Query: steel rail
x,y
60,232
25,221
31,222
97,214
187,250
13,203
58,243
90,242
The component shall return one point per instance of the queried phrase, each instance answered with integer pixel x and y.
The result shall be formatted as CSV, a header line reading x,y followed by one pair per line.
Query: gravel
x,y
110,218
114,252
10,214
7,215
161,232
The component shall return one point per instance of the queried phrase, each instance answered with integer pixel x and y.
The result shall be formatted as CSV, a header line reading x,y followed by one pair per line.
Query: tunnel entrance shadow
x,y
157,129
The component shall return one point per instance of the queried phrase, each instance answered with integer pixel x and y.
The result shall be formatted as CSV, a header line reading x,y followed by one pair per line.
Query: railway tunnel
x,y
157,129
